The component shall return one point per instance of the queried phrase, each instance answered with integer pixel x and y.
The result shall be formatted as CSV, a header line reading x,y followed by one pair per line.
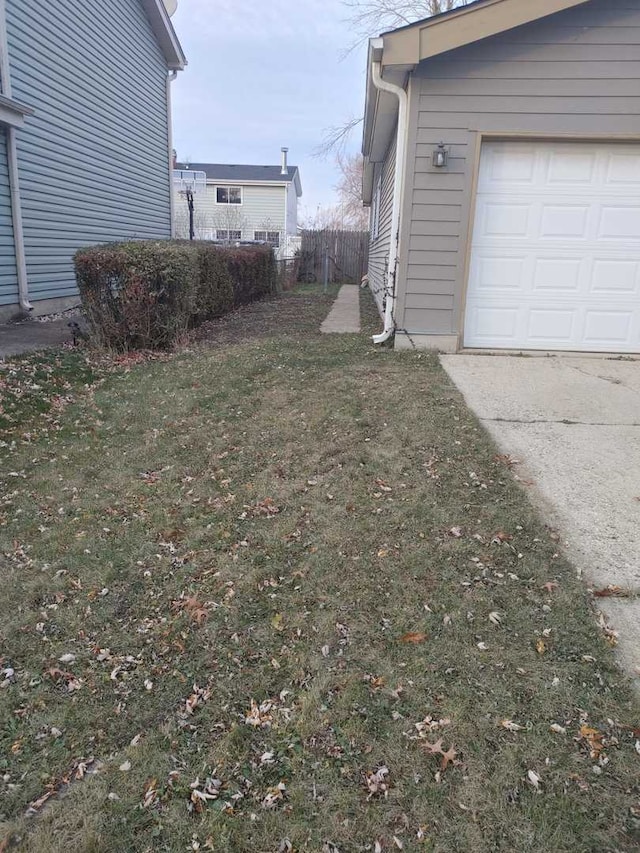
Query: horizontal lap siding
x,y
262,209
8,272
93,159
577,72
380,246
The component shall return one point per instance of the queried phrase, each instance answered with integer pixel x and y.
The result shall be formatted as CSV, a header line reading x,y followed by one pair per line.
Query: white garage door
x,y
555,260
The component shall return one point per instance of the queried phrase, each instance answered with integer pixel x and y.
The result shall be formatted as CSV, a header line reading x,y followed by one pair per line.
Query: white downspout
x,y
401,151
171,76
16,215
12,167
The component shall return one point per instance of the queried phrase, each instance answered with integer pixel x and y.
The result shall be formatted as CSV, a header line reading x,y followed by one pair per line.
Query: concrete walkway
x,y
574,424
19,338
345,314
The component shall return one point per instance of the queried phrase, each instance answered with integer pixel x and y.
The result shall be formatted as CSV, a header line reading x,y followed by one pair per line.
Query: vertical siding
x,y
261,206
380,246
8,272
93,159
577,72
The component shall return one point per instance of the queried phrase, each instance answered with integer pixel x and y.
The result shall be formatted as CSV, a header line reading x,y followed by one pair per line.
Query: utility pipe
x,y
16,216
12,167
398,185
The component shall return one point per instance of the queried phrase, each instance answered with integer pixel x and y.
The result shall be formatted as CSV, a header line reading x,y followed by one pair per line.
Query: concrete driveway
x,y
574,423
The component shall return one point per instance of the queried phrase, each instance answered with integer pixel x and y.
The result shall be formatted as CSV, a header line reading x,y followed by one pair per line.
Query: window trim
x,y
272,243
229,187
228,232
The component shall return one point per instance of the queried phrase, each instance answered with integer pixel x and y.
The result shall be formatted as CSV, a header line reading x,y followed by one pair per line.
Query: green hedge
x,y
144,295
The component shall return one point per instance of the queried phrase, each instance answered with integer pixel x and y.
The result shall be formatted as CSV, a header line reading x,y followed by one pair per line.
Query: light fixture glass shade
x,y
440,156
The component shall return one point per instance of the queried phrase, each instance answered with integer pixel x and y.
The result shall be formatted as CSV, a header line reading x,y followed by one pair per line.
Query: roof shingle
x,y
227,172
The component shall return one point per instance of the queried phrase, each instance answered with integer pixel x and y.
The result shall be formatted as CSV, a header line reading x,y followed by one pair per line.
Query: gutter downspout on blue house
x,y
12,166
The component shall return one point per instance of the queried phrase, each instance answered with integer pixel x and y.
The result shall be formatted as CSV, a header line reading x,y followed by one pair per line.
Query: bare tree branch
x,y
336,138
349,190
349,214
368,18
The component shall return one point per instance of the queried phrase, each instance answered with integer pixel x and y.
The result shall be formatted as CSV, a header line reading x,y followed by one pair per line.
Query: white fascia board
x,y
165,34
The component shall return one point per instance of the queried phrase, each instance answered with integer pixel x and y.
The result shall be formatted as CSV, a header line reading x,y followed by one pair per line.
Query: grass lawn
x,y
277,592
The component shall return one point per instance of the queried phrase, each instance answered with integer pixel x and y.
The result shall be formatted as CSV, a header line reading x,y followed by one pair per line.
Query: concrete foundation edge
x,y
441,343
40,308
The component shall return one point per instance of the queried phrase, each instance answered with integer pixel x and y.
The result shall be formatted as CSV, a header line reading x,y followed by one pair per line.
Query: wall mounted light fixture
x,y
440,156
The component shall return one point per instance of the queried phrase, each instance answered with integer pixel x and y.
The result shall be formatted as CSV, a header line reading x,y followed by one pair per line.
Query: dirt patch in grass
x,y
293,313
289,596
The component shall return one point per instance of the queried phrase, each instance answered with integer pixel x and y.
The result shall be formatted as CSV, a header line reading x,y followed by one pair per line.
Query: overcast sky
x,y
263,74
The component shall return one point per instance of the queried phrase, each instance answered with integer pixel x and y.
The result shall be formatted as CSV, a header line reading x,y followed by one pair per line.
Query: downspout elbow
x,y
401,147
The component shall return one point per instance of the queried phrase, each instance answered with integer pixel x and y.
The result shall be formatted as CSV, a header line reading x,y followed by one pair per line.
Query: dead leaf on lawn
x,y
534,779
447,757
195,609
594,740
507,460
611,591
501,537
510,726
260,716
266,508
377,782
413,637
278,622
541,646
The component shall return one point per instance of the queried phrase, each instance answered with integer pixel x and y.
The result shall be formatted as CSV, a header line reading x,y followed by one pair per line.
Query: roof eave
x,y
465,25
401,50
165,34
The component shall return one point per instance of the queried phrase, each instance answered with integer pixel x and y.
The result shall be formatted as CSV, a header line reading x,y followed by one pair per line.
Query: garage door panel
x,y
607,327
568,167
555,259
516,168
552,326
503,220
619,222
623,169
564,222
494,323
556,275
611,276
499,273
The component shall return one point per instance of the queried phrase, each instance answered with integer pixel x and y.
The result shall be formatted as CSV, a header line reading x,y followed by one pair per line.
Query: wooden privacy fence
x,y
347,252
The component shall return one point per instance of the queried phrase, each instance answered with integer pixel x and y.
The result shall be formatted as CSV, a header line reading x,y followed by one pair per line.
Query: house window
x,y
270,237
228,235
229,195
375,211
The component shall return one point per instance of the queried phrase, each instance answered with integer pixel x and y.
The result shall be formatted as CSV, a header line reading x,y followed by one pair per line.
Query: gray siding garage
x,y
529,236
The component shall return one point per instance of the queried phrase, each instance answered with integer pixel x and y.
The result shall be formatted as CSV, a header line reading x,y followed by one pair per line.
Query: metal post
x,y
326,269
192,232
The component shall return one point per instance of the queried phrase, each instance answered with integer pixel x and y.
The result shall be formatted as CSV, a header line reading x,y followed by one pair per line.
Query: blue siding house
x,y
85,137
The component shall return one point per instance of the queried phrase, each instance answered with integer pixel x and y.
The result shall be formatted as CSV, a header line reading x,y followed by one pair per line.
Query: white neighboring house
x,y
244,203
